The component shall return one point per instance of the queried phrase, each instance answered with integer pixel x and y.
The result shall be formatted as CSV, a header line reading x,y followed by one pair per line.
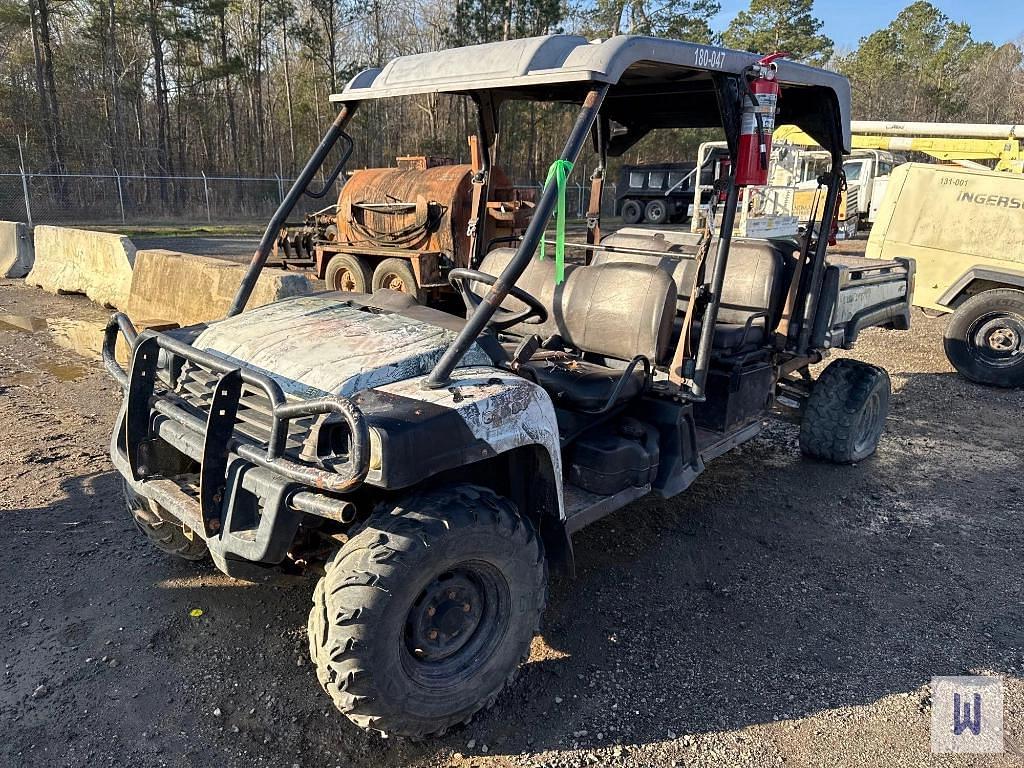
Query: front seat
x,y
607,325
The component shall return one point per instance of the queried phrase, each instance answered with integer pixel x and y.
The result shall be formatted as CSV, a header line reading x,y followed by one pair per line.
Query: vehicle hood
x,y
316,345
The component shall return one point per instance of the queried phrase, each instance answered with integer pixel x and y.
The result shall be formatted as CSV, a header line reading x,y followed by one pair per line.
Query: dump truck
x,y
656,193
427,468
964,230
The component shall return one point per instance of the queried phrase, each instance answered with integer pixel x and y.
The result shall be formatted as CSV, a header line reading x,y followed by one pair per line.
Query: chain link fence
x,y
134,200
114,199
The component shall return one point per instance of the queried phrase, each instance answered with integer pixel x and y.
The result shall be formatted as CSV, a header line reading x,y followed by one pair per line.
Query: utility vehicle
x,y
429,466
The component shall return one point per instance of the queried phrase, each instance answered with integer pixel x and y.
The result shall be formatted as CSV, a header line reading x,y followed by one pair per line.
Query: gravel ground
x,y
782,611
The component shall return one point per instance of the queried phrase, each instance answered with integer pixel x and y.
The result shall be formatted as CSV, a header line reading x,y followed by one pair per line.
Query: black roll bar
x,y
259,258
440,375
707,329
817,273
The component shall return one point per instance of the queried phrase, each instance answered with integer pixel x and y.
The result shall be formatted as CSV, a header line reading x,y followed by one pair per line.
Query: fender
x,y
1002,277
484,412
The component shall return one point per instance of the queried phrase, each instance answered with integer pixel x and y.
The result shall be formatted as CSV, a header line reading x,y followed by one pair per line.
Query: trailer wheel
x,y
985,339
845,414
656,212
346,272
632,212
162,528
425,615
396,275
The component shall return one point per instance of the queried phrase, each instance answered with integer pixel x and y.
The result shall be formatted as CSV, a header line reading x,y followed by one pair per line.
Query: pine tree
x,y
681,20
780,25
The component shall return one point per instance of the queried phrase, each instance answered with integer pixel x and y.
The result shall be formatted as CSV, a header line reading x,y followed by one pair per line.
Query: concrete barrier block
x,y
186,289
98,264
16,249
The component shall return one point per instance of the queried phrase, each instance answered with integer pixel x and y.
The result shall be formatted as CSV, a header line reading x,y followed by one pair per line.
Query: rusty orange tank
x,y
419,209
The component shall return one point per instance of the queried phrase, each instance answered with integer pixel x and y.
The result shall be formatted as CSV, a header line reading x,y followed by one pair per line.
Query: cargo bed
x,y
859,293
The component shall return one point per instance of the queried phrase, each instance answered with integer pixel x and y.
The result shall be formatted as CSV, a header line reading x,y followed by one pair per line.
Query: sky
x,y
846,21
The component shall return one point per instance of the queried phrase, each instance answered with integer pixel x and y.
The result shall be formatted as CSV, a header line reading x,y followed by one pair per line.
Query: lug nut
x,y
431,611
432,634
466,607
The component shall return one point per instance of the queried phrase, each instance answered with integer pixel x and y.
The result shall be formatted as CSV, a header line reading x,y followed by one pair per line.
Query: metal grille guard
x,y
219,434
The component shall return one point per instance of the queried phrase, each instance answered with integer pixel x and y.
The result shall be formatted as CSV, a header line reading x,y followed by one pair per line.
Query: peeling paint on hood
x,y
314,345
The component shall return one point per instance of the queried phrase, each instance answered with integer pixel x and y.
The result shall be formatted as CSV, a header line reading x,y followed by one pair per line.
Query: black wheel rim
x,y
869,424
455,624
996,339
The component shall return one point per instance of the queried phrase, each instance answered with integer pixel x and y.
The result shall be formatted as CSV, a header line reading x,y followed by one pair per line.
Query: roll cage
x,y
625,87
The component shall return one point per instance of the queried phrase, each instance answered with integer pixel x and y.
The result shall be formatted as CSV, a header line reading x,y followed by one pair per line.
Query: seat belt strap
x,y
684,346
479,184
594,210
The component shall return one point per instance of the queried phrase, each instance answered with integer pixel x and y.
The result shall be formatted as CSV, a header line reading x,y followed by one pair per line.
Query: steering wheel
x,y
502,319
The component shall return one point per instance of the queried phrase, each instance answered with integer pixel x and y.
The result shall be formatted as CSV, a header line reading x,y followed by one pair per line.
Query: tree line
x,y
240,87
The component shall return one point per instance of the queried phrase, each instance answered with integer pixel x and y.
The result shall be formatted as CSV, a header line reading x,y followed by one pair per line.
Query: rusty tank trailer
x,y
405,228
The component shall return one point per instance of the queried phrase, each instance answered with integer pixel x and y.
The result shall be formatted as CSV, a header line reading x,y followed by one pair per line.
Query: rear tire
x,y
632,212
844,416
985,339
397,275
656,212
162,528
346,272
425,615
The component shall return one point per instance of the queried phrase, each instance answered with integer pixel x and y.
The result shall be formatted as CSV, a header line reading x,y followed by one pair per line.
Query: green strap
x,y
560,170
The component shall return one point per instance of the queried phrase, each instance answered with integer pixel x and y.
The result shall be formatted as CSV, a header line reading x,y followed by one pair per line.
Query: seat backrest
x,y
618,310
754,276
539,281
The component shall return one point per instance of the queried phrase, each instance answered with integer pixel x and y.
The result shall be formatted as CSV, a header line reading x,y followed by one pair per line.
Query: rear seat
x,y
753,289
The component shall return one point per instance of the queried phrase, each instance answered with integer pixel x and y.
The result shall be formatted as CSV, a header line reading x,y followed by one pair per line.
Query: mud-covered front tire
x,y
162,528
425,615
845,414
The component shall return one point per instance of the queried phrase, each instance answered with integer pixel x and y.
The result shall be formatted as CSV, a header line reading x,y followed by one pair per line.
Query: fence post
x,y
24,185
120,193
280,187
206,193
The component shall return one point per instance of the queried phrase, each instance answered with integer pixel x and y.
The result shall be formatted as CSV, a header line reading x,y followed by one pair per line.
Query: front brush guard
x,y
220,439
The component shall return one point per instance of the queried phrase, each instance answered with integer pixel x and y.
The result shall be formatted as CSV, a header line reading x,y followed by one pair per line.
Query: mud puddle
x,y
84,337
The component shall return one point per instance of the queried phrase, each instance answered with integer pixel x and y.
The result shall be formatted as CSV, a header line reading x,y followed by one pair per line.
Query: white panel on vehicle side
x,y
500,408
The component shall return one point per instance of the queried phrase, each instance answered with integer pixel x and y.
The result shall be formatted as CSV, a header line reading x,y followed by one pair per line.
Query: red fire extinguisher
x,y
757,122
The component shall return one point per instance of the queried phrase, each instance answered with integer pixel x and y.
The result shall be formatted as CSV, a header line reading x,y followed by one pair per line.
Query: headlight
x,y
376,449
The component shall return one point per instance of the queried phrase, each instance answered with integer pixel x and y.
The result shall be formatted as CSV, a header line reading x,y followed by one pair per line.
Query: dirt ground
x,y
781,612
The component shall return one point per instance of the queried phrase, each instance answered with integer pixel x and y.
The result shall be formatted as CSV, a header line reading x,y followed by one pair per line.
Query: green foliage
x,y
919,67
14,16
780,25
485,21
681,20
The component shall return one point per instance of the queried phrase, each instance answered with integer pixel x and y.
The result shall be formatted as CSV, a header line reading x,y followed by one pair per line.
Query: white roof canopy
x,y
644,72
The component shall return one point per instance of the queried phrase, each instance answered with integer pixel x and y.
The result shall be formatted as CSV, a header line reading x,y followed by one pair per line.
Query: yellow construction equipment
x,y
964,230
965,144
